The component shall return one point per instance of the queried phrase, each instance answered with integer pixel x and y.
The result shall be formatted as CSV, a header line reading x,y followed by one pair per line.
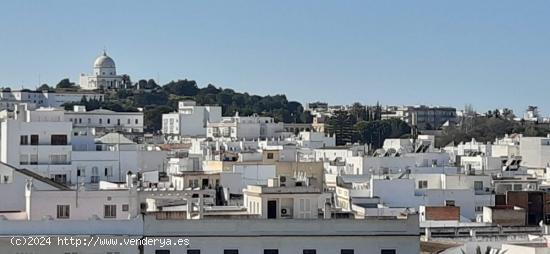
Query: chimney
x,y
189,207
200,206
129,179
327,213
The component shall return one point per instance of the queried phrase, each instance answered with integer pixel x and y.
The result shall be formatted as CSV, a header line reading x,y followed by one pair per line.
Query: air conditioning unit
x,y
286,213
284,181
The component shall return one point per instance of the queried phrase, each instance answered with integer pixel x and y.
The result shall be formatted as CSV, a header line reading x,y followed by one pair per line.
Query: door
x,y
95,175
60,178
271,209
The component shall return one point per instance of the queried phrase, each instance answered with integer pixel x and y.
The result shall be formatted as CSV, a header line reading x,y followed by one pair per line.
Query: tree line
x,y
156,100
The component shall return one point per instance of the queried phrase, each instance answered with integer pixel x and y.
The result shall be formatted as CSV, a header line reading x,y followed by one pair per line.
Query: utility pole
x,y
118,148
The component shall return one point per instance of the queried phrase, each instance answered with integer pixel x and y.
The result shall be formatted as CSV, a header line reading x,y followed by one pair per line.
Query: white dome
x,y
104,61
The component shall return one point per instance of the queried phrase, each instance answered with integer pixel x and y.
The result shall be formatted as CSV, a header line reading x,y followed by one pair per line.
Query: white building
x,y
482,164
36,99
468,193
245,127
102,121
12,188
38,140
83,230
237,235
424,117
535,152
423,143
110,157
507,147
189,121
114,204
104,75
310,139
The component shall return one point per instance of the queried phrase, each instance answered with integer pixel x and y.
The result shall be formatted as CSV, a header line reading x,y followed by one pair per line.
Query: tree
x,y
147,84
143,99
44,87
374,112
341,125
209,89
508,114
375,132
126,82
65,84
358,111
182,87
152,117
155,99
483,129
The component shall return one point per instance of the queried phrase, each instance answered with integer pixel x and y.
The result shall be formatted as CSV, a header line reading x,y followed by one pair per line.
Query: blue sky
x,y
486,53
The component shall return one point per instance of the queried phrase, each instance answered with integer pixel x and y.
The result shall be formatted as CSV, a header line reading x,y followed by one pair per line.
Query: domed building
x,y
104,75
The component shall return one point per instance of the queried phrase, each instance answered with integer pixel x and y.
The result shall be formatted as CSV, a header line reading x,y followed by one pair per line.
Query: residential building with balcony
x,y
38,140
246,127
101,121
189,121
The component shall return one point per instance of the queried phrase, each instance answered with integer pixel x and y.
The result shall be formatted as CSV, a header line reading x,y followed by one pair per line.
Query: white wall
x,y
83,205
244,175
535,152
12,192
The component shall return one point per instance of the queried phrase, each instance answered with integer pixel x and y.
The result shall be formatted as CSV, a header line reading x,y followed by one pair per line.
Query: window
x,y
517,187
270,156
271,251
304,209
108,171
81,171
346,251
34,140
230,251
310,251
137,121
95,175
387,251
24,140
478,185
34,159
23,159
60,178
479,209
108,120
109,211
59,140
449,203
193,183
63,211
193,251
125,208
100,121
129,121
5,179
423,184
58,159
118,122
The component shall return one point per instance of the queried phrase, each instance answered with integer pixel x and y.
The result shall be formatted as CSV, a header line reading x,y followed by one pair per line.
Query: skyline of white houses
x,y
249,184
249,180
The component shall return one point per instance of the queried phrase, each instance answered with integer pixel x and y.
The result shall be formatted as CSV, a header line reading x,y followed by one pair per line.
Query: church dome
x,y
104,61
